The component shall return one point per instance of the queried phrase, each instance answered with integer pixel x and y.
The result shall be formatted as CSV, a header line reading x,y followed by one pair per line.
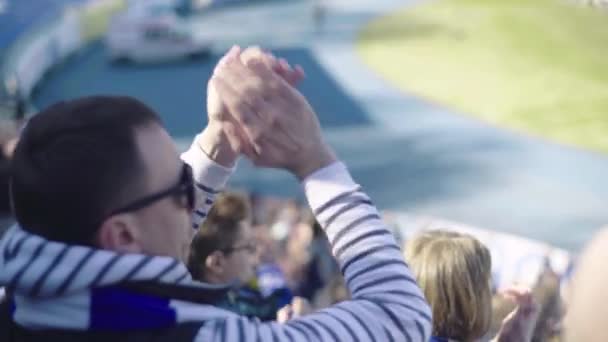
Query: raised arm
x,y
214,152
212,160
387,304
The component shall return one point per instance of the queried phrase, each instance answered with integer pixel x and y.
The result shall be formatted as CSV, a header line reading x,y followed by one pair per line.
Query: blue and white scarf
x,y
58,286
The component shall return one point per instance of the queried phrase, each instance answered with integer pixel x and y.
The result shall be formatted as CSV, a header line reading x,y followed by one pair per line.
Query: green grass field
x,y
96,19
540,66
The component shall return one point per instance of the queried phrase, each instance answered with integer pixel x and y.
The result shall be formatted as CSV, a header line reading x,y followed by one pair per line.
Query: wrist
x,y
215,144
321,158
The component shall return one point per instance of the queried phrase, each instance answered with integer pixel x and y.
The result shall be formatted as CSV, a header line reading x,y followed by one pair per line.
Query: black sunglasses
x,y
184,191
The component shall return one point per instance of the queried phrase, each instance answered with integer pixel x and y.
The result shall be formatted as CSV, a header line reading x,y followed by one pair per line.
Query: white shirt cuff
x,y
206,171
327,183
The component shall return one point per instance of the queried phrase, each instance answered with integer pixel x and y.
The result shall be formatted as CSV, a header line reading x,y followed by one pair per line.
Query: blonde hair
x,y
453,270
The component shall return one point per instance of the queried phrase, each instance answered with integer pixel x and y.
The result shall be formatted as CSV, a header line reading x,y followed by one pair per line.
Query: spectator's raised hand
x,y
217,111
223,140
519,325
277,122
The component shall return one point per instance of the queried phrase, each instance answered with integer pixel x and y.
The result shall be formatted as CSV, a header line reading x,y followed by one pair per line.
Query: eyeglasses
x,y
250,248
184,191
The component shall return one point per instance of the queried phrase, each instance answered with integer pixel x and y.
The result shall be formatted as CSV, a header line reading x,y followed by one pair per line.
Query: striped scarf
x,y
58,286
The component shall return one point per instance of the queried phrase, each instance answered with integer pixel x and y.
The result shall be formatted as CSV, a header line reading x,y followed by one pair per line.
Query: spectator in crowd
x,y
296,258
317,266
224,251
104,207
269,275
294,251
454,272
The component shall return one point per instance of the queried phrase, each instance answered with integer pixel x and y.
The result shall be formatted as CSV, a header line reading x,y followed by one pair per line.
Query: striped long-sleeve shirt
x,y
79,288
386,305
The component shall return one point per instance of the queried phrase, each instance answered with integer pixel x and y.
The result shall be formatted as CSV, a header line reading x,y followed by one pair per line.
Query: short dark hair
x,y
76,161
219,230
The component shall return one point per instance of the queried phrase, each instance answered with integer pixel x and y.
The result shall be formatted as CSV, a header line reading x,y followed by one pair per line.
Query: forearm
x,y
371,261
387,304
214,142
212,165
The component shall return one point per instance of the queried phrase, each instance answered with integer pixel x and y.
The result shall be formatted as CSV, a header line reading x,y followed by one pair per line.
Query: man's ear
x,y
120,233
214,263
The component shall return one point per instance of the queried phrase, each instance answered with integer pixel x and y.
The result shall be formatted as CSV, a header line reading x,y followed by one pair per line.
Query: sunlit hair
x,y
453,269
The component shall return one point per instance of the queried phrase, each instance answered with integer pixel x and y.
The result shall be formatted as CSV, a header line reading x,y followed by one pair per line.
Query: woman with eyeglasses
x,y
224,252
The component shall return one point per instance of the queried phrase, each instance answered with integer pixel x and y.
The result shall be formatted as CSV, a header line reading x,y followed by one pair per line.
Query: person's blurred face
x,y
267,248
240,261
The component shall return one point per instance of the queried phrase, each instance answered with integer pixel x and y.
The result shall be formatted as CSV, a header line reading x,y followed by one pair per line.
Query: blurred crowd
x,y
280,263
289,271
